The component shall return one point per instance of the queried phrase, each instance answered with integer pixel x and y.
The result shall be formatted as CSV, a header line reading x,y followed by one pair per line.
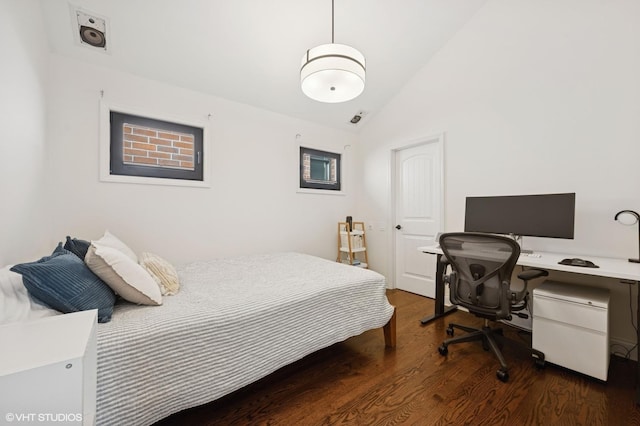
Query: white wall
x,y
533,97
23,219
252,205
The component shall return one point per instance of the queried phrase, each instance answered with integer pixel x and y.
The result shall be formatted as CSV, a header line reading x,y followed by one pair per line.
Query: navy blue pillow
x,y
64,282
77,247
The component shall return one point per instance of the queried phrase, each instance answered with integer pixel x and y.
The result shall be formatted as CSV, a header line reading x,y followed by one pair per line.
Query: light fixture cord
x,y
332,15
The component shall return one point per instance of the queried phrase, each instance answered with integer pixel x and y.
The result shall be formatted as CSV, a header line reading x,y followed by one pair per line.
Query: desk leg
x,y
440,309
638,347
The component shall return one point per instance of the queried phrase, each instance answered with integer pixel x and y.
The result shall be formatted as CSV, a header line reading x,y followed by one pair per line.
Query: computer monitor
x,y
543,215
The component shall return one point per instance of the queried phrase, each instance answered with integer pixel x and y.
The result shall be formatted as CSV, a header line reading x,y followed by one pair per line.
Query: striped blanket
x,y
233,322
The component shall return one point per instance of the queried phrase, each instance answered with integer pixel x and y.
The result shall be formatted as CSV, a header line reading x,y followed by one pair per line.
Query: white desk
x,y
608,267
620,269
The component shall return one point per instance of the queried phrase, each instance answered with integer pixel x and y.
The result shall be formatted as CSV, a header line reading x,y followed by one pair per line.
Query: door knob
x,y
398,227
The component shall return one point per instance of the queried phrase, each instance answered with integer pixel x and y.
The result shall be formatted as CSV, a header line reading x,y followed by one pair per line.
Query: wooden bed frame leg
x,y
390,331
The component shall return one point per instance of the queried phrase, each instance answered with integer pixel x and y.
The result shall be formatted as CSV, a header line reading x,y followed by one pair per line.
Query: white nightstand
x,y
48,370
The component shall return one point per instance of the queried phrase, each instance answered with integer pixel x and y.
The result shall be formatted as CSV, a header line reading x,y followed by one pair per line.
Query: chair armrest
x,y
531,274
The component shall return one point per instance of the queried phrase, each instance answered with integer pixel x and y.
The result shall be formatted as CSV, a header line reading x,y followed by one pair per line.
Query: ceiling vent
x,y
357,117
90,30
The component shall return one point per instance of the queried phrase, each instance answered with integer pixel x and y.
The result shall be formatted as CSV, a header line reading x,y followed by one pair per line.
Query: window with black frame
x,y
319,169
142,146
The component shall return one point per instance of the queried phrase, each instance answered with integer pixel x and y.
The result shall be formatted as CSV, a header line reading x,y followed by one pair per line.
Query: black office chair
x,y
480,280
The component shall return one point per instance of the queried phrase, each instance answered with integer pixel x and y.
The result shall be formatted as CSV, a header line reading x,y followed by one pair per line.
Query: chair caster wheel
x,y
540,364
503,375
449,331
443,350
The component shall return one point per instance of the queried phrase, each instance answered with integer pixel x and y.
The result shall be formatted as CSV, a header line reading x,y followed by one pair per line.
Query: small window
x,y
319,169
148,147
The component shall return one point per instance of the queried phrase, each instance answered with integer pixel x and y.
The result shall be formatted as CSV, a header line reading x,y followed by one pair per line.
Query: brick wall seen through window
x,y
319,169
151,147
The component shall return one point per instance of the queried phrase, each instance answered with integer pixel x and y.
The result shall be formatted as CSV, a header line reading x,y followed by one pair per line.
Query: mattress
x,y
234,321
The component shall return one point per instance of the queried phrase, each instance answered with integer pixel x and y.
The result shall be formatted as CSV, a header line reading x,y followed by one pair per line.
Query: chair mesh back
x,y
482,266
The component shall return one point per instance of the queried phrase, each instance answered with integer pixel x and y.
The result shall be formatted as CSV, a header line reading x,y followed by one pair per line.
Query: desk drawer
x,y
578,314
573,347
582,306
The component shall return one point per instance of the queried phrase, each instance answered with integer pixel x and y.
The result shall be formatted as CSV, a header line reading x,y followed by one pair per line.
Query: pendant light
x,y
332,73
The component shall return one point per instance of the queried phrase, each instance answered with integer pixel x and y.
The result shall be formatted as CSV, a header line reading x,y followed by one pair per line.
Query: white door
x,y
418,213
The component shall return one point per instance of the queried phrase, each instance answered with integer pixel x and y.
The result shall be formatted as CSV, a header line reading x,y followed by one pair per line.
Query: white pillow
x,y
15,303
123,275
110,240
163,272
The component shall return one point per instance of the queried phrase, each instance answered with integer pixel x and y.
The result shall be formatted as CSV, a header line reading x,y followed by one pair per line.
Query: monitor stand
x,y
518,239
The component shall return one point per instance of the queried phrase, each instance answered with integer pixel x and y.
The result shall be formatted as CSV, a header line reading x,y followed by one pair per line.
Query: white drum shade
x,y
332,73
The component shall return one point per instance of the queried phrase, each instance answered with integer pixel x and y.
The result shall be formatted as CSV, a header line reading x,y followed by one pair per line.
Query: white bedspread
x,y
233,322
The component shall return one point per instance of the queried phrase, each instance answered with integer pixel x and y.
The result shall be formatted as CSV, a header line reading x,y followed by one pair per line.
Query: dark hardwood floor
x,y
360,382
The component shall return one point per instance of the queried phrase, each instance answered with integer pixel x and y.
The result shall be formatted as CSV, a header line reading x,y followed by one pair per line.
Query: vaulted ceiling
x,y
250,51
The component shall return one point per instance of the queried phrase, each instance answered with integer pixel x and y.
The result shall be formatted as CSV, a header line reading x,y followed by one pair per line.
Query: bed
x,y
234,321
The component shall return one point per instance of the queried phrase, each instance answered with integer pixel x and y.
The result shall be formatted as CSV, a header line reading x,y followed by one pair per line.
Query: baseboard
x,y
620,348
